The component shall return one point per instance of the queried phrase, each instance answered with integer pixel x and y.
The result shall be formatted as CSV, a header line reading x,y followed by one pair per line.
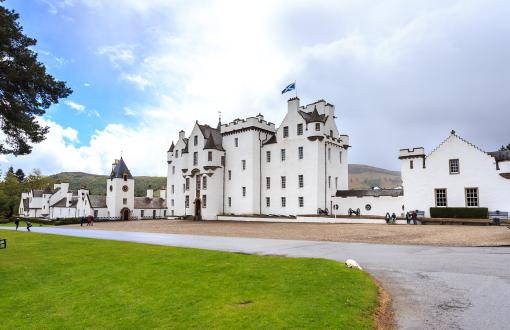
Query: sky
x,y
400,73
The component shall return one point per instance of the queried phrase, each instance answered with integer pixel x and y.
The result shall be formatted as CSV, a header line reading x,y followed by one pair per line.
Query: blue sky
x,y
400,73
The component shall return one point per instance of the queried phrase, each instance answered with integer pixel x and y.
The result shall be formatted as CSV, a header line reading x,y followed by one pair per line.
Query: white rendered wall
x,y
115,196
379,205
477,170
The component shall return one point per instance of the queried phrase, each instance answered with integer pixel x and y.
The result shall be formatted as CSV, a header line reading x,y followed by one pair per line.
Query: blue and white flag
x,y
289,88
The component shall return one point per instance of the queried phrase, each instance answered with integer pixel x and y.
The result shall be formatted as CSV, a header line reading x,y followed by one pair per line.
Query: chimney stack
x,y
293,104
181,135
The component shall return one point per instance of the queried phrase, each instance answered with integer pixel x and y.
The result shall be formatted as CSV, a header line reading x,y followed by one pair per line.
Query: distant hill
x,y
97,183
360,177
365,176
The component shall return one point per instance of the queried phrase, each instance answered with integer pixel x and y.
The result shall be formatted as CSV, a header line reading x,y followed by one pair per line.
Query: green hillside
x,y
97,183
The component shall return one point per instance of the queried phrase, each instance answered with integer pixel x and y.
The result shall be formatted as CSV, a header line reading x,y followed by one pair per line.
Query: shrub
x,y
459,212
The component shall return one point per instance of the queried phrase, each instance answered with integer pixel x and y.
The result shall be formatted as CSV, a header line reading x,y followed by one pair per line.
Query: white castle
x,y
249,166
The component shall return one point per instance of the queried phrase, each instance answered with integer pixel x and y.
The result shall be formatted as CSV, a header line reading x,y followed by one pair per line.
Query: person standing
x,y
414,217
82,220
393,218
16,222
29,224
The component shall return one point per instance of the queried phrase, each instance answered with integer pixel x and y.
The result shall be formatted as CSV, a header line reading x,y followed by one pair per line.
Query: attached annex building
x,y
249,166
119,202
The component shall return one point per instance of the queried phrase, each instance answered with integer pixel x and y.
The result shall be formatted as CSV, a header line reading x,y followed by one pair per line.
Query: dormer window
x,y
195,140
317,126
124,176
454,166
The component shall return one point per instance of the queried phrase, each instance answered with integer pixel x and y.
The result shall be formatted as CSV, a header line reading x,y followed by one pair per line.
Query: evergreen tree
x,y
11,193
26,90
20,175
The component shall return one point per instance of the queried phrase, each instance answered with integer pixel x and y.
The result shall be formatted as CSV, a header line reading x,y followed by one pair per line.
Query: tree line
x,y
13,183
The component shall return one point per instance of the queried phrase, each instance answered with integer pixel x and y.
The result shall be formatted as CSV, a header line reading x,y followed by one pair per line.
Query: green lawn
x,y
58,282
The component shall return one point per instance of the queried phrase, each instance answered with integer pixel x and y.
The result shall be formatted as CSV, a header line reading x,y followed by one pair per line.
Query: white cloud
x,y
75,106
135,79
118,54
86,85
129,112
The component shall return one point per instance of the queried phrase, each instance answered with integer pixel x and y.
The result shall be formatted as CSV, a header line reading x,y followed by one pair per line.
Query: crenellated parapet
x,y
240,125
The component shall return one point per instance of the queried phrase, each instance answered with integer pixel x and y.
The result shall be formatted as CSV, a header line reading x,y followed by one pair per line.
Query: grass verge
x,y
50,281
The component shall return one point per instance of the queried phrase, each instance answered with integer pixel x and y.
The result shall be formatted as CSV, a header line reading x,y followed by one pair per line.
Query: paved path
x,y
433,287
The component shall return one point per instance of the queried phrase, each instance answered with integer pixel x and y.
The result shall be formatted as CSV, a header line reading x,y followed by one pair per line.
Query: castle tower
x,y
120,191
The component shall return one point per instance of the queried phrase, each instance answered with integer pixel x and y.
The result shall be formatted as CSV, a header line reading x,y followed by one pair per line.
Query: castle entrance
x,y
124,214
198,209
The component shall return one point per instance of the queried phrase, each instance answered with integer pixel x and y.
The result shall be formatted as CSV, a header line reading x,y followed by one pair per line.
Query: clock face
x,y
125,188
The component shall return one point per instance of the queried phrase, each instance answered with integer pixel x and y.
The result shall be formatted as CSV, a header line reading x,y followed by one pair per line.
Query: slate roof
x,y
97,201
149,203
213,136
172,147
271,140
501,155
60,203
119,170
37,193
313,117
47,190
370,192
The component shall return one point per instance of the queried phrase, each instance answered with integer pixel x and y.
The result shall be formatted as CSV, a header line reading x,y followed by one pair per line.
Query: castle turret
x,y
120,191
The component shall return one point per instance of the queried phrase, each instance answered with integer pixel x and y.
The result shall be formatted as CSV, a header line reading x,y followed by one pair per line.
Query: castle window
x,y
454,166
329,181
243,163
236,142
154,214
284,182
301,181
195,158
441,199
282,153
173,169
173,189
229,175
317,126
96,213
336,183
176,153
187,183
124,201
244,191
300,152
471,197
204,201
286,131
172,202
198,180
284,202
164,213
124,176
141,213
268,182
411,164
222,160
331,132
186,201
340,157
268,202
299,129
329,153
301,201
204,183
209,156
268,156
229,201
183,187
195,140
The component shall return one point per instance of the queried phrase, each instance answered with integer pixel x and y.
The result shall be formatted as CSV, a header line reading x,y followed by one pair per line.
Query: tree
x,y
503,148
35,180
20,175
11,191
26,90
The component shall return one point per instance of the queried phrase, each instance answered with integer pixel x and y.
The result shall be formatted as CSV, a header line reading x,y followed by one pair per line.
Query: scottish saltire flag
x,y
289,88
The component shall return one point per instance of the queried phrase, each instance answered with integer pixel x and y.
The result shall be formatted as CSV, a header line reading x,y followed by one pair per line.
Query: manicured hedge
x,y
459,212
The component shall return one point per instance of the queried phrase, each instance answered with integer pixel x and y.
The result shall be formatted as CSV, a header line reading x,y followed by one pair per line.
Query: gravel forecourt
x,y
441,235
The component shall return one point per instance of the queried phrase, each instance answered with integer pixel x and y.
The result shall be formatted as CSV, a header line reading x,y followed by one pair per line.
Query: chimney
x,y
162,193
293,104
181,135
150,192
329,110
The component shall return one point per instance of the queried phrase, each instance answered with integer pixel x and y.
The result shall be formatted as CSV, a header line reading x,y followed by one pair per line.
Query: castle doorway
x,y
198,209
124,214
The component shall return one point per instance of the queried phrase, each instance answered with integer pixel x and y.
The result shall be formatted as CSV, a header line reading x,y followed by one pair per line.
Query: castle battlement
x,y
250,122
414,152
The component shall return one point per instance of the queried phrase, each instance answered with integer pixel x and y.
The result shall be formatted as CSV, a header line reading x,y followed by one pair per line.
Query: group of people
x,y
28,223
89,219
410,217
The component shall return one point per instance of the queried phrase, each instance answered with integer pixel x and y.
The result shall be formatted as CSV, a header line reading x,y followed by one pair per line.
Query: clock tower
x,y
120,188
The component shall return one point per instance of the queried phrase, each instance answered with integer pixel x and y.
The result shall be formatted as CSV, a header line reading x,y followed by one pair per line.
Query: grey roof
x,y
370,192
313,117
149,203
48,190
213,136
120,169
60,203
172,147
37,193
271,140
97,201
74,201
501,155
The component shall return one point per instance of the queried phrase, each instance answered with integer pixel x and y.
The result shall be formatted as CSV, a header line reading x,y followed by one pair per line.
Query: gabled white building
x,y
119,202
455,174
249,166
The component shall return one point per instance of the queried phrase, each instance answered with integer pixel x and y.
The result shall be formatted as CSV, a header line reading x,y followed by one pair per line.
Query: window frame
x,y
283,201
450,162
317,127
436,190
301,201
209,156
283,180
268,182
477,196
285,132
283,155
268,156
301,181
299,129
301,153
195,158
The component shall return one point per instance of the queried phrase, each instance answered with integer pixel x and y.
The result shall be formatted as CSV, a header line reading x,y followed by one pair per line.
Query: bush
x,y
459,212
